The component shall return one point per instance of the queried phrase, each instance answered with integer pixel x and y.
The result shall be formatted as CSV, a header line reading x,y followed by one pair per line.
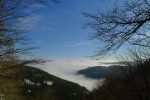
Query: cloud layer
x,y
66,69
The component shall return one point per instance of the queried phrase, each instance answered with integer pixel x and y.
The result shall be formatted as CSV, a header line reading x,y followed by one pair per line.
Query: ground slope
x,y
27,83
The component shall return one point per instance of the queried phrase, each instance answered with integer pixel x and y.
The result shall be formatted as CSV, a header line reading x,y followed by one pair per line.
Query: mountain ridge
x,y
97,72
28,83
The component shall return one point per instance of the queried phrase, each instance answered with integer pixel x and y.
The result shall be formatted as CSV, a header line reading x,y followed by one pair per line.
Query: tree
x,y
135,85
12,36
127,25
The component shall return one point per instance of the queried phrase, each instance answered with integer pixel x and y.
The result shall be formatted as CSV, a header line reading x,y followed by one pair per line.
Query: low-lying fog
x,y
66,69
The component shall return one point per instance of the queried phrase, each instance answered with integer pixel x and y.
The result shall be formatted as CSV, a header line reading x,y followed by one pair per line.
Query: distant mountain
x,y
119,63
93,72
27,83
98,72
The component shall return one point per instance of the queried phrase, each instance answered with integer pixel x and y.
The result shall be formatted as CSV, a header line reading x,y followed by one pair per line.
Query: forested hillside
x,y
27,83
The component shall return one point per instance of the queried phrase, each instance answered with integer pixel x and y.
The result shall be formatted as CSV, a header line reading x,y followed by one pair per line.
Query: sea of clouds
x,y
67,69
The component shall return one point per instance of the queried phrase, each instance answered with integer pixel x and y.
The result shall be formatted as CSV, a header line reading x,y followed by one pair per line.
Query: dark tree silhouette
x,y
135,85
128,24
12,36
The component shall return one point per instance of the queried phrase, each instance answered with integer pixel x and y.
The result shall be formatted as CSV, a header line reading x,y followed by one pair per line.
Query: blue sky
x,y
57,28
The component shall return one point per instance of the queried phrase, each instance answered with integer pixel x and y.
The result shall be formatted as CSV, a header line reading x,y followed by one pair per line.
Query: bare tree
x,y
11,30
128,24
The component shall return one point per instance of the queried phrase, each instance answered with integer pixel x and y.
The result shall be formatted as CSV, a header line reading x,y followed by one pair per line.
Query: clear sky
x,y
57,28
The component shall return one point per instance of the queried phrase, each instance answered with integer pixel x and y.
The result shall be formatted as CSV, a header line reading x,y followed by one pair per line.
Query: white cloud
x,y
29,21
78,44
66,69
